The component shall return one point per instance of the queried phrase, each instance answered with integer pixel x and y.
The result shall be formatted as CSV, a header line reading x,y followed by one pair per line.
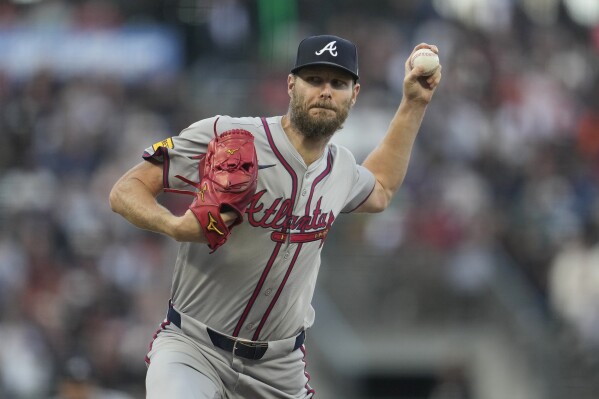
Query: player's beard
x,y
320,126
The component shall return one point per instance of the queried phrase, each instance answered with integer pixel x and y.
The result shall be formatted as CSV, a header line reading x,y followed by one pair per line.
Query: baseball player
x,y
250,246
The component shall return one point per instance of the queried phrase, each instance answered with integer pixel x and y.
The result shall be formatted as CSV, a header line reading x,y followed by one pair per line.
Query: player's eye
x,y
313,79
339,84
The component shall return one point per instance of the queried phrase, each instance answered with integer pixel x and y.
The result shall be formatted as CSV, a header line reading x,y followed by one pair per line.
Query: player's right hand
x,y
417,87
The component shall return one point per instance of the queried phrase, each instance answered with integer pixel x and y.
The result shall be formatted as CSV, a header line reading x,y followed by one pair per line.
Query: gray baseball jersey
x,y
259,285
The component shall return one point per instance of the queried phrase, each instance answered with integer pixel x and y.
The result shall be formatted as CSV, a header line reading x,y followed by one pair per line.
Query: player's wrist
x,y
185,228
412,108
170,227
228,217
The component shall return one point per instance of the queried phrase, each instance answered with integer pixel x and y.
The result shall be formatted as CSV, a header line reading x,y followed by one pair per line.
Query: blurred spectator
x,y
574,286
25,361
78,384
229,26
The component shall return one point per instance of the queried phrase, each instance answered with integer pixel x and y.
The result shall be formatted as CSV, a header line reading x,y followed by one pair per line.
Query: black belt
x,y
247,349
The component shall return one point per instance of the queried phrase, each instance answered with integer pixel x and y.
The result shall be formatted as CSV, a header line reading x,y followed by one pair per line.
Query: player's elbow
x,y
383,203
383,198
114,198
377,202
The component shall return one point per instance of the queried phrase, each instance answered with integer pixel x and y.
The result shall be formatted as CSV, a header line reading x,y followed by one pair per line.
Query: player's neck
x,y
309,149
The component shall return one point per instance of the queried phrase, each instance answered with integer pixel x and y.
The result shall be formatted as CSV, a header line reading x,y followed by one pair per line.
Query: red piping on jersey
x,y
276,297
271,142
296,238
363,201
162,328
257,290
318,179
173,190
165,168
165,163
308,387
273,256
187,192
216,134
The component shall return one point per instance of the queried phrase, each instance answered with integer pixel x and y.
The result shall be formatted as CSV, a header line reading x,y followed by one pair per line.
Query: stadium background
x,y
482,280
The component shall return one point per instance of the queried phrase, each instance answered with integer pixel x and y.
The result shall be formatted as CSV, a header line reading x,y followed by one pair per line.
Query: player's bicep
x,y
377,201
149,173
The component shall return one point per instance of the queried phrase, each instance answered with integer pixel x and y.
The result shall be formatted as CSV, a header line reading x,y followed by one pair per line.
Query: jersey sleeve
x,y
361,186
180,155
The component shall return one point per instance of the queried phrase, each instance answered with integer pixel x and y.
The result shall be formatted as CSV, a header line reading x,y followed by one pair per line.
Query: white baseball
x,y
425,58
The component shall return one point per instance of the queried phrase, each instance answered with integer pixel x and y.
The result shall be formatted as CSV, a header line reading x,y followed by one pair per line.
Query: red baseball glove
x,y
229,173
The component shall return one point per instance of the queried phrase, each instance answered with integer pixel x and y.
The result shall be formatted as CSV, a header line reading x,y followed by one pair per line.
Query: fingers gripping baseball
x,y
423,73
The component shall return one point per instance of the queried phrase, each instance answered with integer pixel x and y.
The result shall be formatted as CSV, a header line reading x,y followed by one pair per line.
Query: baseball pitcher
x,y
266,192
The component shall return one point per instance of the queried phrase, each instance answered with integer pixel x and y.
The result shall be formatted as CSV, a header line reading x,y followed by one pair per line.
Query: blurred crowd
x,y
508,157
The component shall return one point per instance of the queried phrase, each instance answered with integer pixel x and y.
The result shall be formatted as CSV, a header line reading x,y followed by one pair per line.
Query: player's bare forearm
x,y
389,161
134,198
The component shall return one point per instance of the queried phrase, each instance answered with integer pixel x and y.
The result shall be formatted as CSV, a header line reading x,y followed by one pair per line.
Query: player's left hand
x,y
417,87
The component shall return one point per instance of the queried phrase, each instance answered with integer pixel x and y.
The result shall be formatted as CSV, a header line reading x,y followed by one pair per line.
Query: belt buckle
x,y
249,349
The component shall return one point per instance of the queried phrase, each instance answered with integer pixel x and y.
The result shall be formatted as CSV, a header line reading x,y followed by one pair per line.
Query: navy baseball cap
x,y
327,50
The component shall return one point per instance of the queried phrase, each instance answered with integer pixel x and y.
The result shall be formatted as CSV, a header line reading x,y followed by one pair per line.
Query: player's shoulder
x,y
222,123
341,154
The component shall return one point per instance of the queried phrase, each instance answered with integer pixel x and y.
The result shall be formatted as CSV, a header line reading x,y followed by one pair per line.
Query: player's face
x,y
321,98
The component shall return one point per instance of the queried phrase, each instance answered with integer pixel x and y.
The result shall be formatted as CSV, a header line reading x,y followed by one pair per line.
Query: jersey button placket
x,y
268,292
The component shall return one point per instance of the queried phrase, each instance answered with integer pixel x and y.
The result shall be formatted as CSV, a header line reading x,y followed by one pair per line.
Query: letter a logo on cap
x,y
331,48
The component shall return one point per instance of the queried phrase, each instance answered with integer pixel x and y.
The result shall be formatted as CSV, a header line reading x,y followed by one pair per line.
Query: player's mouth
x,y
322,106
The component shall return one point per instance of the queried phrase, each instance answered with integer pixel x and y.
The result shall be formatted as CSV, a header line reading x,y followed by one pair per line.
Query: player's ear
x,y
290,82
354,97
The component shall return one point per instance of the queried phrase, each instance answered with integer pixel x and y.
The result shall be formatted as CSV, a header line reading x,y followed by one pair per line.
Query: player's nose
x,y
326,91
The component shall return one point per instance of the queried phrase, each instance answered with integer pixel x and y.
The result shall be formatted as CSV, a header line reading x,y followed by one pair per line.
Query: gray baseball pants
x,y
185,365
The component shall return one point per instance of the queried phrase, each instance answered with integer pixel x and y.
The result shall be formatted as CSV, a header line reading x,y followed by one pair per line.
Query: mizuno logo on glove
x,y
212,225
